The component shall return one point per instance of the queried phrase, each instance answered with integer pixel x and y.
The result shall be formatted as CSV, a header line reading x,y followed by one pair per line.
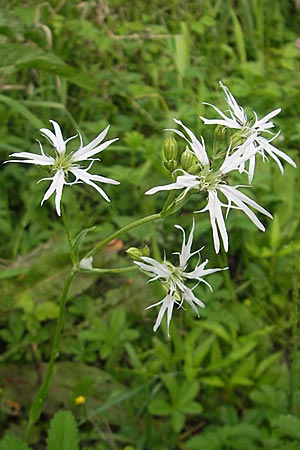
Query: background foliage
x,y
230,380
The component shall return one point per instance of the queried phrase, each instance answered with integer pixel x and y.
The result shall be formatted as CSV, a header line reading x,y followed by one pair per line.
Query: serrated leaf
x,y
10,442
63,432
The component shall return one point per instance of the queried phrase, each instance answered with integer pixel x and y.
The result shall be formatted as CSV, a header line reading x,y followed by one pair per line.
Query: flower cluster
x,y
213,182
193,172
62,163
174,278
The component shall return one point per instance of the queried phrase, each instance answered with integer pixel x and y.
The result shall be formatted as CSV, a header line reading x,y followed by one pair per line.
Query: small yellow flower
x,y
80,400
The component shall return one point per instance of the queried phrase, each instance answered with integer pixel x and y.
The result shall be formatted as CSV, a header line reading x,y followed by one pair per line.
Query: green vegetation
x,y
227,381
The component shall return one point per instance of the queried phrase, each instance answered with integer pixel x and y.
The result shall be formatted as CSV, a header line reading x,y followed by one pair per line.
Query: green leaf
x,y
204,441
79,240
266,363
234,356
46,310
17,106
178,420
287,425
237,380
191,408
187,392
63,432
117,320
217,329
160,408
27,56
10,442
212,380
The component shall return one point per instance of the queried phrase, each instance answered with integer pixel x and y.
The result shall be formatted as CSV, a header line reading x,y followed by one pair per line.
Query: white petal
x,y
56,138
154,267
197,146
90,150
58,181
87,178
32,158
263,124
214,206
185,253
241,200
273,152
166,304
183,181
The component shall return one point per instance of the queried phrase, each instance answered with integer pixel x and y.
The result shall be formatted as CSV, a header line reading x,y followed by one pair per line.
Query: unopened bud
x,y
170,148
237,140
219,133
171,165
194,169
136,254
188,159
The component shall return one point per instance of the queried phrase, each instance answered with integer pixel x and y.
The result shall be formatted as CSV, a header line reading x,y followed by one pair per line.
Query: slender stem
x,y
122,230
64,219
42,393
116,270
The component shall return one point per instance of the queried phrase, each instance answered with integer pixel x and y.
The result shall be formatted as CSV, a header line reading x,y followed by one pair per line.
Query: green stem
x,y
116,270
64,219
42,393
122,230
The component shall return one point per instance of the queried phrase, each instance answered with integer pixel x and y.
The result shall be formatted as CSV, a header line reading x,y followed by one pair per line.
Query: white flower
x,y
214,183
173,279
238,120
86,263
64,163
240,201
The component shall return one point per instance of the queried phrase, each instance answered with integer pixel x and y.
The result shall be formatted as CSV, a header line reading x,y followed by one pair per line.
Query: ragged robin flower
x,y
174,279
213,183
64,163
237,119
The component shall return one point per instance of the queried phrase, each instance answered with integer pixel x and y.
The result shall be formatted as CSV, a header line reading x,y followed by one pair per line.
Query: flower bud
x,y
187,159
194,169
86,263
136,254
171,165
237,140
170,148
219,133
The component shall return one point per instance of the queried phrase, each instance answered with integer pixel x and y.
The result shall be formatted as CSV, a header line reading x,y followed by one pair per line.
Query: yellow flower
x,y
80,400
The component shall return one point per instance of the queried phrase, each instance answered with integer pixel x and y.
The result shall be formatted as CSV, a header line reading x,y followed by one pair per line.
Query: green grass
x,y
227,381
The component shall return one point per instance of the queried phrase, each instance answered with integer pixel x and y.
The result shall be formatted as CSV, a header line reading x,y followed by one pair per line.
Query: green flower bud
x,y
237,140
170,148
219,133
171,165
188,159
194,169
136,254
